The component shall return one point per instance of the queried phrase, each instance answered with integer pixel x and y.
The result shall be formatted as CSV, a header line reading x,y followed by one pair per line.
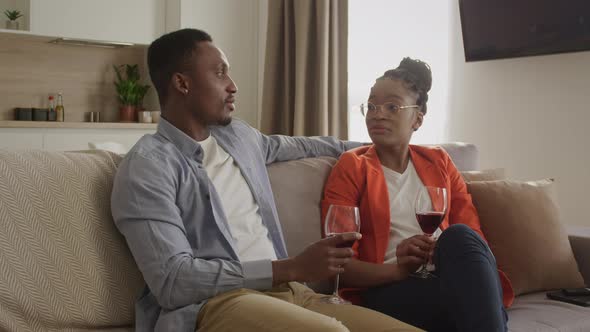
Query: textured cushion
x,y
484,175
298,187
534,312
63,264
521,223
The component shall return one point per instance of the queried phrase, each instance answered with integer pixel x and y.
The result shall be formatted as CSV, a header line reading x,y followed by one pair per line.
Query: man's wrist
x,y
283,270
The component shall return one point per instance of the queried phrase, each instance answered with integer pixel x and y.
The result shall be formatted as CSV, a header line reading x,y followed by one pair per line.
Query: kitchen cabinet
x,y
135,21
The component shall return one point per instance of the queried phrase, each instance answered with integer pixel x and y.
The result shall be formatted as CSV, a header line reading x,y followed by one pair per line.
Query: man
x,y
195,205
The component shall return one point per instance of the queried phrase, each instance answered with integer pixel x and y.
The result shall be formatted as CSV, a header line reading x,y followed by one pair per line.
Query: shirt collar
x,y
186,144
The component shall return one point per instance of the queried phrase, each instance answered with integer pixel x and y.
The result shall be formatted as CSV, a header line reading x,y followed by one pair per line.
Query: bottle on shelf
x,y
51,115
59,109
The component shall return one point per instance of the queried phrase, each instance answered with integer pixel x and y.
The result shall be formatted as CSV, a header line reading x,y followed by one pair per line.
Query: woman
x,y
469,293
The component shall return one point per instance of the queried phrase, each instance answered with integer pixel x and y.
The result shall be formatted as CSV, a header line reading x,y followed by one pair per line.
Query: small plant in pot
x,y
129,90
13,16
141,92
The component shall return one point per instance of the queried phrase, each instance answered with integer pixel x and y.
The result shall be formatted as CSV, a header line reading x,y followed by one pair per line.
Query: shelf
x,y
19,32
77,125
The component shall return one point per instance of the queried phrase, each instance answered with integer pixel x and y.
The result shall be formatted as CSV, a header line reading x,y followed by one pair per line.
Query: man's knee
x,y
331,325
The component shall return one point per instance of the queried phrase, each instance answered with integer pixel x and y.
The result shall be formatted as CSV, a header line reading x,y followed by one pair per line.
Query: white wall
x,y
234,26
530,115
381,33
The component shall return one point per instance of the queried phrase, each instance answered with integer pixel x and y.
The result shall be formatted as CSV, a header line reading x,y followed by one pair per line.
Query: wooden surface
x,y
31,68
77,125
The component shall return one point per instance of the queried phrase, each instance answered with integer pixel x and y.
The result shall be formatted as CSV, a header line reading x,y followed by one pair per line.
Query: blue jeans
x,y
466,295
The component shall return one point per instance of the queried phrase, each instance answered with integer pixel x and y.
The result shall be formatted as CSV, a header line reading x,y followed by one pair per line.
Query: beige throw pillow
x,y
521,223
484,175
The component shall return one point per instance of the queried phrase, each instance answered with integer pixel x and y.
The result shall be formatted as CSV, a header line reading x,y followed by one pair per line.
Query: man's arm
x,y
283,148
144,210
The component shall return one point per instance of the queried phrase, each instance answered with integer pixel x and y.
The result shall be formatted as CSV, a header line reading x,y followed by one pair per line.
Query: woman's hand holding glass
x,y
414,252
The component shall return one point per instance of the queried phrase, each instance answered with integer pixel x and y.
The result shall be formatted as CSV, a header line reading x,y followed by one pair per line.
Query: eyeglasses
x,y
389,108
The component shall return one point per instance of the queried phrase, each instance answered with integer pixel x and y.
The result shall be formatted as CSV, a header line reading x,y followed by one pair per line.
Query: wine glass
x,y
431,207
341,219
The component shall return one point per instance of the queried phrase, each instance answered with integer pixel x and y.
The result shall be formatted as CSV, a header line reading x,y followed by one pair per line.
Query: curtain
x,y
306,68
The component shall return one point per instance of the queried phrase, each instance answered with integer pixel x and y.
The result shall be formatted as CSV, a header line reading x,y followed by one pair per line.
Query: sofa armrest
x,y
580,241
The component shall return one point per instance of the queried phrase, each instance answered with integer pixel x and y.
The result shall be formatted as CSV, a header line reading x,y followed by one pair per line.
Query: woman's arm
x,y
411,253
462,210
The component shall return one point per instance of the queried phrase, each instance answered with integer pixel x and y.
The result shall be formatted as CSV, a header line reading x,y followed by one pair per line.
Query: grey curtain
x,y
305,80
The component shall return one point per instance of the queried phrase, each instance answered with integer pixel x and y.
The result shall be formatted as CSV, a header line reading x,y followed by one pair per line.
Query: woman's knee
x,y
460,237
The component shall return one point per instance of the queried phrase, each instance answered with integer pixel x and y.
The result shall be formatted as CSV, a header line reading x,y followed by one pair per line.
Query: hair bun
x,y
420,70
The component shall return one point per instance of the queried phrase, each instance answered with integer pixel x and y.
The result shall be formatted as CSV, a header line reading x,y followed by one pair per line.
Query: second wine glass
x,y
431,207
341,219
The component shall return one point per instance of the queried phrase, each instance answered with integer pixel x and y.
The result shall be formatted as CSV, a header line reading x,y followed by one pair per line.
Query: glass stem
x,y
336,283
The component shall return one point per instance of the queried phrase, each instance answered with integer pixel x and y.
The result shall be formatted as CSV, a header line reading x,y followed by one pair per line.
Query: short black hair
x,y
170,54
416,76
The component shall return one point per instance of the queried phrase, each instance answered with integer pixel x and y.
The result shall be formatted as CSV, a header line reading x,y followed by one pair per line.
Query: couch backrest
x,y
63,264
298,187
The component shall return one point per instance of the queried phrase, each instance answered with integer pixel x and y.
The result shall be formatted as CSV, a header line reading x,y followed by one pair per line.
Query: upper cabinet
x,y
134,21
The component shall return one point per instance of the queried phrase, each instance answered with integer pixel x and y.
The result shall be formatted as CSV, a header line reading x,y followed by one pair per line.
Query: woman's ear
x,y
418,121
180,83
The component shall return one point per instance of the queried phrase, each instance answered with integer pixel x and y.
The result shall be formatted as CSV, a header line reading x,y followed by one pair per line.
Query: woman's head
x,y
397,102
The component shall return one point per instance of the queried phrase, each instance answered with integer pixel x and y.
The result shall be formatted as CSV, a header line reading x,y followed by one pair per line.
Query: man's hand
x,y
320,260
413,252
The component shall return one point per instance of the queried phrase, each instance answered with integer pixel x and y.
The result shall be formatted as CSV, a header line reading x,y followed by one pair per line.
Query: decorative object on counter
x,y
141,92
145,116
51,114
13,16
130,91
59,109
23,114
156,116
93,116
40,114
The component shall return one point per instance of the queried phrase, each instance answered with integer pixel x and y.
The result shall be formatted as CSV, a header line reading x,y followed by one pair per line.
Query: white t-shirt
x,y
249,233
402,190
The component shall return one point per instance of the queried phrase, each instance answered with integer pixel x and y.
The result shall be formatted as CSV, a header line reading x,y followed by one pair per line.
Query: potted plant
x,y
12,22
130,91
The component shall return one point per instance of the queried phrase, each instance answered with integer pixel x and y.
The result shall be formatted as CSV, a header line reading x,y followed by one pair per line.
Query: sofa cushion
x,y
298,187
484,175
63,264
521,223
534,312
465,156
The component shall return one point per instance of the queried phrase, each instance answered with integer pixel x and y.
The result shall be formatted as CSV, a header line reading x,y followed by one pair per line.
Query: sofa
x,y
65,267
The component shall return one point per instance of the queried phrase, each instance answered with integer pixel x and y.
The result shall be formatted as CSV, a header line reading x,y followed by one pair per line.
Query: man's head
x,y
191,73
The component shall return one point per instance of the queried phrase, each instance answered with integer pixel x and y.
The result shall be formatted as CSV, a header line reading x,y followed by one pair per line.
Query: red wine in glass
x,y
347,244
430,207
430,221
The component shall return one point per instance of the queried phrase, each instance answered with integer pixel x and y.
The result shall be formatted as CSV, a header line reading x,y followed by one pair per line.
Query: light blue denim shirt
x,y
167,208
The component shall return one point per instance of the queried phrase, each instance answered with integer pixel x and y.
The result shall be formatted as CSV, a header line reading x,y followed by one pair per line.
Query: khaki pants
x,y
290,307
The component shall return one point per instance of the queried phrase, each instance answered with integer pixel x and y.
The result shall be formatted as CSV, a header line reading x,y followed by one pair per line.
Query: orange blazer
x,y
357,180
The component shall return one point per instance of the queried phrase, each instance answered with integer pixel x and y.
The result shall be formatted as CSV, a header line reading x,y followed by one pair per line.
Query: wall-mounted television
x,y
495,29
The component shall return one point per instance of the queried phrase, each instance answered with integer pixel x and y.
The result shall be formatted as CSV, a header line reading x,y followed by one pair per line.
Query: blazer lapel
x,y
431,176
378,201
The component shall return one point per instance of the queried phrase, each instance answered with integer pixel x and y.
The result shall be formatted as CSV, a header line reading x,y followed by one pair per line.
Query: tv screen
x,y
494,29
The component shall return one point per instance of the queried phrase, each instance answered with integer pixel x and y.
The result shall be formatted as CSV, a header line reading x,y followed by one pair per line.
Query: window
x,y
381,33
